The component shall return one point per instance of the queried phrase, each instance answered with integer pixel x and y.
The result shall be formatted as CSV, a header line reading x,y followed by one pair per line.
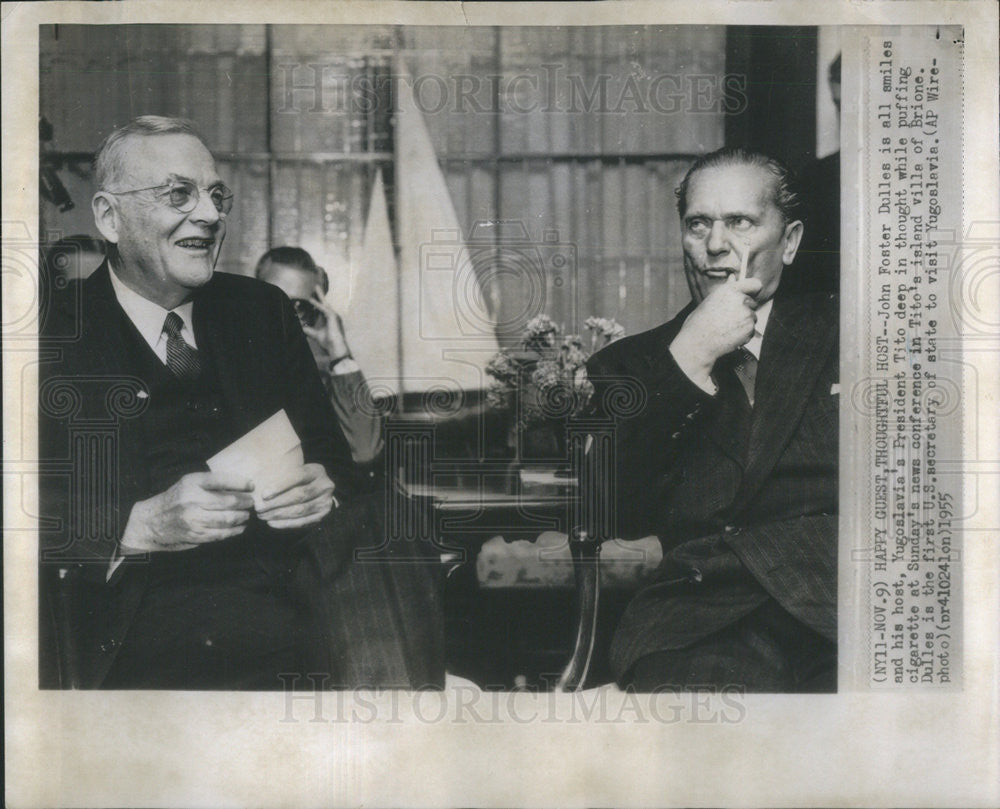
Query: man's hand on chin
x,y
721,323
199,508
300,497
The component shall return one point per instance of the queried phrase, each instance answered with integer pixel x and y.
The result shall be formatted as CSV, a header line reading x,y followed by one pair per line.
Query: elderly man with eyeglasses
x,y
187,583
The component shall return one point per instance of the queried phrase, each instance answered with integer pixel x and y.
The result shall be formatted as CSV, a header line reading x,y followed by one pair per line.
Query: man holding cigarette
x,y
732,460
191,579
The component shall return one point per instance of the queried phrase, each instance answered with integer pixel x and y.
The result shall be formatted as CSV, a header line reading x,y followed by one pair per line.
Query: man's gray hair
x,y
108,163
786,194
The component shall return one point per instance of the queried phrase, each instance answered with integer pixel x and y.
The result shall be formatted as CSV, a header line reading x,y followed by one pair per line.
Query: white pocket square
x,y
835,389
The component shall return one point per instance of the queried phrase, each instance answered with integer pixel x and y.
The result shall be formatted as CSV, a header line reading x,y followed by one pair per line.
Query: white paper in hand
x,y
269,451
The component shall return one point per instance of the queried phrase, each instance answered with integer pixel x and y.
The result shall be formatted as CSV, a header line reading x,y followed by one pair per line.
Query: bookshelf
x,y
580,133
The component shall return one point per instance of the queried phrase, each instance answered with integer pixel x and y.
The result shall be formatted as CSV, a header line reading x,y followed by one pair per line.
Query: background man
x,y
732,462
187,583
294,272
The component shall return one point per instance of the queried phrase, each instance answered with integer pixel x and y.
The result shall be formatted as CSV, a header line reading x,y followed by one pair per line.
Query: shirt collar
x,y
147,316
755,342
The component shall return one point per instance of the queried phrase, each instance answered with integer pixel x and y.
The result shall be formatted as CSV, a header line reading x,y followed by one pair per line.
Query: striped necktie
x,y
182,360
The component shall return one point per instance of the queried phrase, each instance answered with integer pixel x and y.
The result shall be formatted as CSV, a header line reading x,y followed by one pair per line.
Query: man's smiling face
x,y
165,254
731,212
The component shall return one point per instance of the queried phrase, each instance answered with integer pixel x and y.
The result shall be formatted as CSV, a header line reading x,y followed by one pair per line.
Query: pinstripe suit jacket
x,y
743,514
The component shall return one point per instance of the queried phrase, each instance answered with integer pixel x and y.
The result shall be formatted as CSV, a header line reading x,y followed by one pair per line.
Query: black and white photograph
x,y
639,166
456,378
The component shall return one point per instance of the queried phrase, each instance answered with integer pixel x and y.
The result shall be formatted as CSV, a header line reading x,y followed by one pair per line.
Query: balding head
x,y
784,194
109,163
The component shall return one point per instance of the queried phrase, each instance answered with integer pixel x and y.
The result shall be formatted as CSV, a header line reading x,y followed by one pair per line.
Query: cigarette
x,y
743,262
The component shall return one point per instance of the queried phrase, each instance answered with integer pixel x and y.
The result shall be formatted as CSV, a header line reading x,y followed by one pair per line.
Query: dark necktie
x,y
745,368
182,360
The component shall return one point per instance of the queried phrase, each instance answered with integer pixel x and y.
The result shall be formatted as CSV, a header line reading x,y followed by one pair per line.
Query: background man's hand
x,y
199,508
721,323
301,497
330,334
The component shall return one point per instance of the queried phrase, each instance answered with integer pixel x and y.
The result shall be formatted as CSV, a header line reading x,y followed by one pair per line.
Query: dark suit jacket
x,y
740,517
93,458
819,252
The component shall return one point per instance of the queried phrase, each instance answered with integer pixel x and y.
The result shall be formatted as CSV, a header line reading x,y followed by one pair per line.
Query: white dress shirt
x,y
763,313
148,317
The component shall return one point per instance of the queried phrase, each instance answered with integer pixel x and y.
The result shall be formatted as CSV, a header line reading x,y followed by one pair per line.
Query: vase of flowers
x,y
543,382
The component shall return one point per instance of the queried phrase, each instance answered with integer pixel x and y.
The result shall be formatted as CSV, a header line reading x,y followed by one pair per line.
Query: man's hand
x,y
199,508
301,497
721,323
331,334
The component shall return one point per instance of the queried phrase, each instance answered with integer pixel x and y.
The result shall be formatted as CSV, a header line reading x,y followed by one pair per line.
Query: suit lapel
x,y
105,357
222,345
231,340
728,422
799,337
103,323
